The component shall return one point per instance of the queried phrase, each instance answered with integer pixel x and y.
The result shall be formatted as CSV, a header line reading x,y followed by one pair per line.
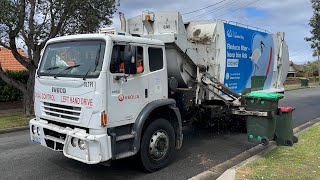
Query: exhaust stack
x,y
123,22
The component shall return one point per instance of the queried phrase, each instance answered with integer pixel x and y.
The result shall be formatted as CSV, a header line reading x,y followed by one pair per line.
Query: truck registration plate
x,y
36,139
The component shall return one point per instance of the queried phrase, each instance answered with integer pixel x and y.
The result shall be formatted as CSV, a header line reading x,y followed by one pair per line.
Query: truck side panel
x,y
250,58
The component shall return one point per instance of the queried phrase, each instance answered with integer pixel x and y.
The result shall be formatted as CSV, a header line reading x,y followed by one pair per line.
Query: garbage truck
x,y
119,93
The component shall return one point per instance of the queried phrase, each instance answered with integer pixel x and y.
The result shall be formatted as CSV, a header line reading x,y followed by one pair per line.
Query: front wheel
x,y
157,146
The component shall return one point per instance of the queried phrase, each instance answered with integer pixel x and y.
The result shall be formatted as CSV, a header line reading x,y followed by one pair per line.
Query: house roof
x,y
8,62
296,67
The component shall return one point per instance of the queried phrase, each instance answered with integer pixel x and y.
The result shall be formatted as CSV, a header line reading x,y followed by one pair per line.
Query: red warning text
x,y
44,96
77,100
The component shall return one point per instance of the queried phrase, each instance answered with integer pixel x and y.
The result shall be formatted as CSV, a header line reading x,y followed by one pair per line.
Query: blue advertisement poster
x,y
249,59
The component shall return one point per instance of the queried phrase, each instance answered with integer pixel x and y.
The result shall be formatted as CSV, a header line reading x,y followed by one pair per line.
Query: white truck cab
x,y
87,86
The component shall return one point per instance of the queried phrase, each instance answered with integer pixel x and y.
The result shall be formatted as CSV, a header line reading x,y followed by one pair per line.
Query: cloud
x,y
289,16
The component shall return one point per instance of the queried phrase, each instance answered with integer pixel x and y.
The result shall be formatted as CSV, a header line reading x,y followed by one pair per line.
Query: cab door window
x,y
117,59
155,58
119,55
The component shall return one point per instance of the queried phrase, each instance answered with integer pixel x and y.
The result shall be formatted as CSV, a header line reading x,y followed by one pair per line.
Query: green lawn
x,y
298,86
13,120
302,161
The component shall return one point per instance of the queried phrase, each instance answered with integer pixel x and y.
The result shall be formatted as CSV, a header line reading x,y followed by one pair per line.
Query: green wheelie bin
x,y
304,81
262,129
284,127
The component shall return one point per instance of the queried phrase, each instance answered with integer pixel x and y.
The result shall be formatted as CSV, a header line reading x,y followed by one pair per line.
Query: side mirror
x,y
130,66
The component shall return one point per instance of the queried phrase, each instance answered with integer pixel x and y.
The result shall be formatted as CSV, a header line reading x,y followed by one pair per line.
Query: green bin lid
x,y
265,95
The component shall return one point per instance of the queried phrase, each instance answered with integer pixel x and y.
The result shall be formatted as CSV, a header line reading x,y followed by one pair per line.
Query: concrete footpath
x,y
228,169
9,130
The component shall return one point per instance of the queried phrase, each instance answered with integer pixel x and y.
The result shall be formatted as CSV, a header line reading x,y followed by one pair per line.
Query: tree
x,y
311,68
34,22
315,24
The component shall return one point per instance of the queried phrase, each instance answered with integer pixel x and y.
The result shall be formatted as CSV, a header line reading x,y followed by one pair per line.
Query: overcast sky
x,y
289,16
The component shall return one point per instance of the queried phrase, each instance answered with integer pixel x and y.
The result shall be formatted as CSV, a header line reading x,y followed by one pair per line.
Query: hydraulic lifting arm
x,y
237,105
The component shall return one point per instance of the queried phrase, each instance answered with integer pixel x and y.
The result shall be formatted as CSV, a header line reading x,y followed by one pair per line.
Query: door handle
x,y
146,93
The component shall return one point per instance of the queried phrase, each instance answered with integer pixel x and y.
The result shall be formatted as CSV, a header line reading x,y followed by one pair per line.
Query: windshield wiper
x,y
50,68
96,63
68,68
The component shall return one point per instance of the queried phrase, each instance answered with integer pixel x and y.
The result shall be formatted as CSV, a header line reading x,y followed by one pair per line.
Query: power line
x,y
293,53
302,52
299,54
218,8
304,60
240,8
305,54
213,10
303,57
298,49
204,7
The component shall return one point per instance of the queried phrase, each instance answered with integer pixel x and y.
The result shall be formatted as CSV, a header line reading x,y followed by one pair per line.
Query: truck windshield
x,y
77,59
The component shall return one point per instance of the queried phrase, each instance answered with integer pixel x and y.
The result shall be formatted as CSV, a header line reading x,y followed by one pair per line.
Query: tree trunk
x,y
28,101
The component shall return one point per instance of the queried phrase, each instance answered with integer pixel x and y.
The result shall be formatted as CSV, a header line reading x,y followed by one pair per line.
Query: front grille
x,y
54,134
62,111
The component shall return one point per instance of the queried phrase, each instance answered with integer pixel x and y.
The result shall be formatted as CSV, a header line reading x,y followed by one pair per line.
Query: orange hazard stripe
x,y
270,60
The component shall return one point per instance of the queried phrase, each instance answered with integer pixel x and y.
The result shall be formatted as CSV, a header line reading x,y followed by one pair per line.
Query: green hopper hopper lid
x,y
265,95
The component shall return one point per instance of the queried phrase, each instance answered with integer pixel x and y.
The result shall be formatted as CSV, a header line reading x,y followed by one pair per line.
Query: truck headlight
x,y
74,142
82,144
38,131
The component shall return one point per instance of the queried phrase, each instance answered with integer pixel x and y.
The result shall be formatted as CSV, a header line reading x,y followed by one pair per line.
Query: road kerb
x,y
308,87
227,170
9,130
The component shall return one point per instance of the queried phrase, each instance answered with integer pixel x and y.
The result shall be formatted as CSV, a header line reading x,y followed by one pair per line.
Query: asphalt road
x,y
202,149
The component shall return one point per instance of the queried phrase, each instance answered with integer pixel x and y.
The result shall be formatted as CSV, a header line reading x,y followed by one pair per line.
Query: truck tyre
x,y
157,145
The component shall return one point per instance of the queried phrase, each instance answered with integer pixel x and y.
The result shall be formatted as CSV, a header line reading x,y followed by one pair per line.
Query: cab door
x,y
158,78
127,95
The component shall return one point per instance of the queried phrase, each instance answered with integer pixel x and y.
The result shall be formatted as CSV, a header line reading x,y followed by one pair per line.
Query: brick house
x,y
8,62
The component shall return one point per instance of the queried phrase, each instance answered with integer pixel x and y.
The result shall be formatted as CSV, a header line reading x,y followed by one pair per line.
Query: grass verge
x,y
11,120
302,161
298,86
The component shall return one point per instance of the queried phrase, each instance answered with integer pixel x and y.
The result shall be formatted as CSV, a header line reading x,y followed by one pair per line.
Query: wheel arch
x,y
151,111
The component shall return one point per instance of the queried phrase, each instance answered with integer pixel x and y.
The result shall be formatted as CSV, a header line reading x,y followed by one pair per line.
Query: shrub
x,y
9,93
300,74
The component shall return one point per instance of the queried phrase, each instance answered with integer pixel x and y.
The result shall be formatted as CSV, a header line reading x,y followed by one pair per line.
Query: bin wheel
x,y
294,139
275,137
264,141
288,142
